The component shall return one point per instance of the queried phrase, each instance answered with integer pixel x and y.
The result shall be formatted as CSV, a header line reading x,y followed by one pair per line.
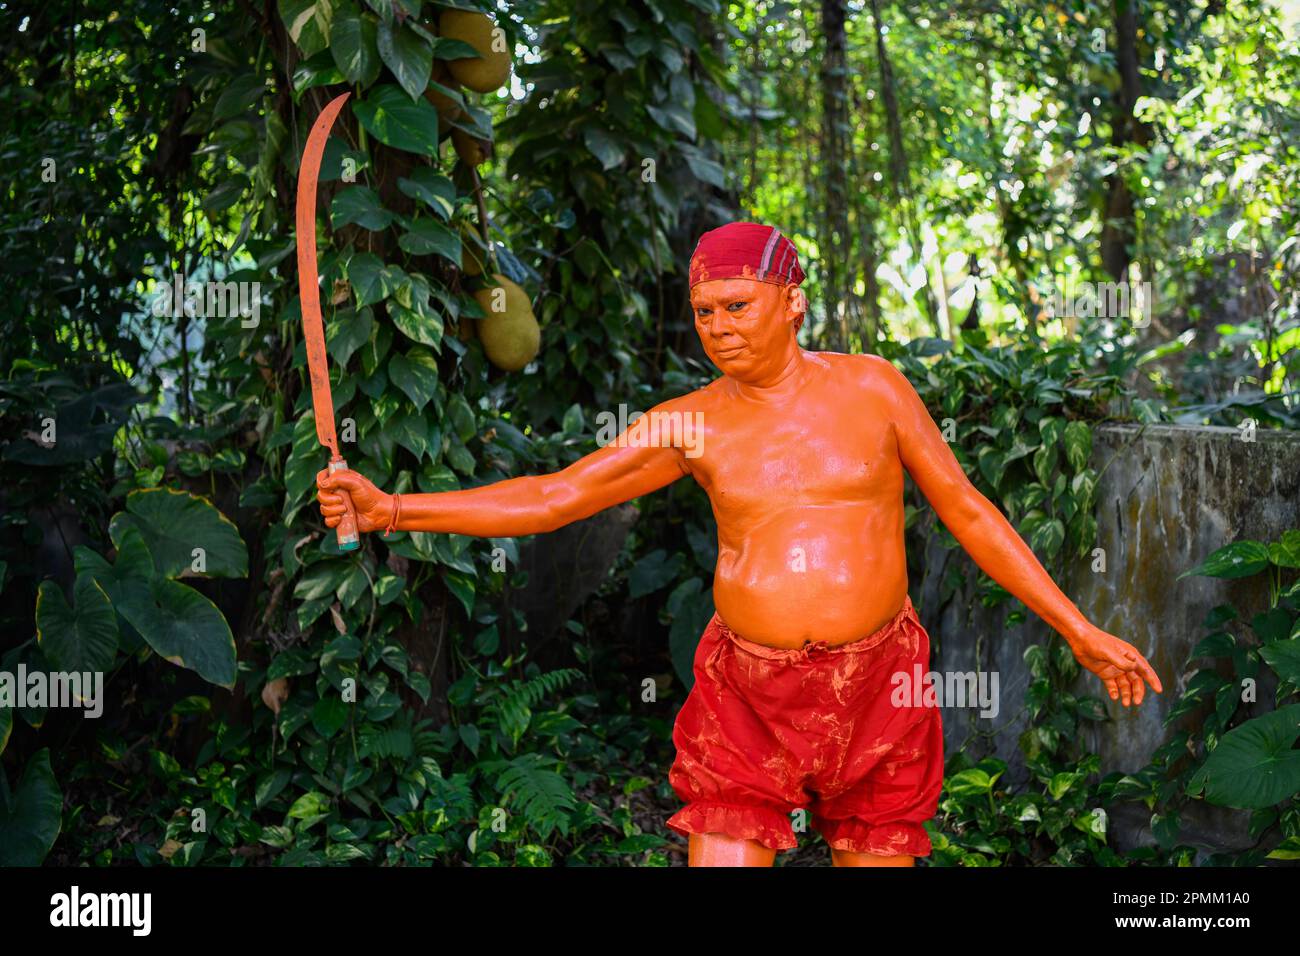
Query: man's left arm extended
x,y
993,543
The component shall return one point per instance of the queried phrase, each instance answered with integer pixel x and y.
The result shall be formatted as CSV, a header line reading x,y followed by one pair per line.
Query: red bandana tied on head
x,y
745,250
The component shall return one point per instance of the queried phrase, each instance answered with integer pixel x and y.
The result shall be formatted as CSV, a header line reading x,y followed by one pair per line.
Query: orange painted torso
x,y
807,493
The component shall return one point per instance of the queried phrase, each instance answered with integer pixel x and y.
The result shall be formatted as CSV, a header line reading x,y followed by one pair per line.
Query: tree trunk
x,y
900,178
1119,226
834,157
864,226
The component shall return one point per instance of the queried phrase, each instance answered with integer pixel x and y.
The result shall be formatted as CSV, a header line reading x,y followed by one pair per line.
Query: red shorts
x,y
766,731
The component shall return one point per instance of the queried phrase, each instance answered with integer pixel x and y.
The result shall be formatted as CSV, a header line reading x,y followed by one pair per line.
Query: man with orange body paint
x,y
802,456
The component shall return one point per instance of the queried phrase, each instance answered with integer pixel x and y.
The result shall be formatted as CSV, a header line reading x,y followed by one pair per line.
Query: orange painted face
x,y
747,327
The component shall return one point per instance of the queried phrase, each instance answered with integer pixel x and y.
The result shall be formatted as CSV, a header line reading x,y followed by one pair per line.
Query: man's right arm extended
x,y
608,476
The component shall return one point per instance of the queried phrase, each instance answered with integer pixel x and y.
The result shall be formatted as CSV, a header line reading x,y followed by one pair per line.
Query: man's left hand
x,y
1119,665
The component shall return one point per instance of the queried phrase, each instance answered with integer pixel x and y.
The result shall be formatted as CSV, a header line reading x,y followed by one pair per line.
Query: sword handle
x,y
346,531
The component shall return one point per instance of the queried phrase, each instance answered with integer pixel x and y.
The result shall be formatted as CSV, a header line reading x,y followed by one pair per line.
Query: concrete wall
x,y
1168,496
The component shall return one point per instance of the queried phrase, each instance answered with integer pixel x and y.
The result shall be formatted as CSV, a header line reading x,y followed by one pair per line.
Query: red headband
x,y
745,250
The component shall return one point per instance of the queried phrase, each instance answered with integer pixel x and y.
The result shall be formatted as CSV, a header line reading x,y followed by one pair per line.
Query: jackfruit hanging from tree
x,y
510,334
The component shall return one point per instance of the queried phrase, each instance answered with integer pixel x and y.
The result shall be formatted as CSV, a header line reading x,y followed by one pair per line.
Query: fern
x,y
531,786
394,740
513,707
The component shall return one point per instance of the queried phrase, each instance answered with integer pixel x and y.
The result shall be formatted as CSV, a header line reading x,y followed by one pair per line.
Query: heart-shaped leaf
x,y
30,824
432,188
183,627
186,534
396,120
353,44
81,637
1255,765
428,237
425,329
360,205
416,374
408,56
307,23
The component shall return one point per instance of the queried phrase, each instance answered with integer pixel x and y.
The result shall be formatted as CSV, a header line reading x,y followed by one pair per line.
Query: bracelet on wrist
x,y
392,520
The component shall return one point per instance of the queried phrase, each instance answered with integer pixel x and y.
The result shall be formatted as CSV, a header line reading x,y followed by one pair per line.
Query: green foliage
x,y
384,706
30,814
1019,419
174,619
1226,747
1057,820
366,764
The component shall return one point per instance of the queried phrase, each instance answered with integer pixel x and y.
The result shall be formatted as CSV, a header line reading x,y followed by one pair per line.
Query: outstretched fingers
x,y
1129,686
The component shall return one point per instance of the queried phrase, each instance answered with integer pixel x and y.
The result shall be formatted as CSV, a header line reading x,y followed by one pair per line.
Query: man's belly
x,y
829,573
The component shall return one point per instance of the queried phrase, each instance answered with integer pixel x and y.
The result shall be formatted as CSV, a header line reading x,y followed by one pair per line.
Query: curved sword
x,y
313,326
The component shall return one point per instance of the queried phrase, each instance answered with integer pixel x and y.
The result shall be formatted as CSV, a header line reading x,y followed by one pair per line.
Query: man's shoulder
x,y
696,399
866,371
693,401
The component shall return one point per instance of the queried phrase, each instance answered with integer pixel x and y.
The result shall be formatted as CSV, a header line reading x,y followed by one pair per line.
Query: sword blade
x,y
313,326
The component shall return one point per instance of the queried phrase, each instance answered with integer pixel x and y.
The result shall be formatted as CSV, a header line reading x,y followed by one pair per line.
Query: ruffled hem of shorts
x,y
886,839
769,827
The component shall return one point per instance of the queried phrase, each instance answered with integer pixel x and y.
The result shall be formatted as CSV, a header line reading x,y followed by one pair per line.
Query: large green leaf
x,y
394,119
79,638
1240,559
425,237
426,329
1078,444
348,330
1285,553
306,458
360,205
321,580
463,586
1284,657
184,627
318,70
131,570
371,279
652,572
432,188
30,824
238,95
416,374
603,146
673,117
308,23
1255,765
408,56
175,524
411,431
353,44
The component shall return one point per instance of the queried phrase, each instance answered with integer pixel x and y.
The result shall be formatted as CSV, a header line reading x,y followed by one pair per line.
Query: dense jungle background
x,y
953,174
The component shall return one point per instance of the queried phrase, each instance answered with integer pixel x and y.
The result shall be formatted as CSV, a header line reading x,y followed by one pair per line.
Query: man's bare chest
x,y
808,455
